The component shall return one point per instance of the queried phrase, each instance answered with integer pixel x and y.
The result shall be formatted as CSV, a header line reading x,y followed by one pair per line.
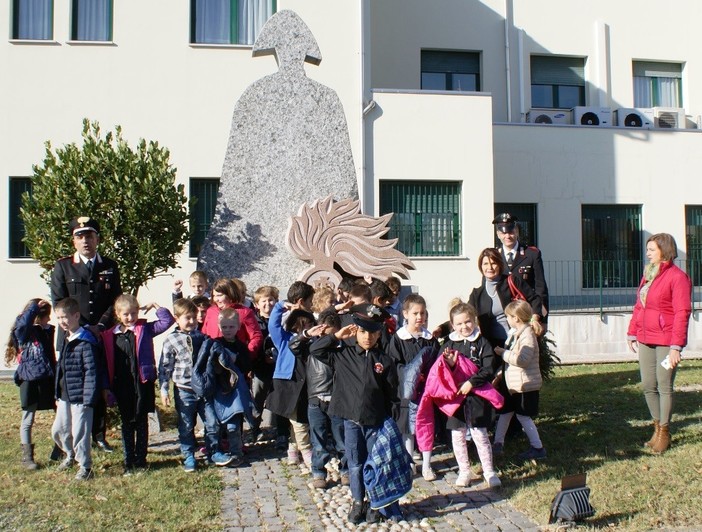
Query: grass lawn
x,y
594,420
163,498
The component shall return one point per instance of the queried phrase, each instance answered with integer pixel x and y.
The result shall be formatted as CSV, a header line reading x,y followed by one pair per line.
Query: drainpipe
x,y
508,13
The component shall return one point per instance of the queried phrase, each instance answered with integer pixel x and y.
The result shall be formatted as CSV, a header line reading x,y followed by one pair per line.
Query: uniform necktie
x,y
89,264
510,258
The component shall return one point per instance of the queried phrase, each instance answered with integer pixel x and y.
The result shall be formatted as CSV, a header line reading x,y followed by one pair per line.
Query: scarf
x,y
651,271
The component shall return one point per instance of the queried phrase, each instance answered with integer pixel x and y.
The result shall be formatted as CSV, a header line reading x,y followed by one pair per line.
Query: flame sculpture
x,y
329,232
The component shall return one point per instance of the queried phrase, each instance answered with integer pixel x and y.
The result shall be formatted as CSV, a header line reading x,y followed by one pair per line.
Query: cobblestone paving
x,y
266,493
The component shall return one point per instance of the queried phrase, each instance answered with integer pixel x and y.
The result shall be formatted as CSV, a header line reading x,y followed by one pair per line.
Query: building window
x,y
33,20
426,216
557,82
657,84
18,186
91,20
612,250
204,191
228,21
450,71
526,214
693,242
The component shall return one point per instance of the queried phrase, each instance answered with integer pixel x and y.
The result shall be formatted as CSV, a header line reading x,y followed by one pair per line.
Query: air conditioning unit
x,y
550,116
592,116
630,117
669,118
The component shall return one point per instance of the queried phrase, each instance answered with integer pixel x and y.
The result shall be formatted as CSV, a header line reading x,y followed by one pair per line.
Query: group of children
x,y
350,370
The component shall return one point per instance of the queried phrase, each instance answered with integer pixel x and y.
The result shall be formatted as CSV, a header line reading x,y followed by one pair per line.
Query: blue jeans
x,y
321,424
359,440
188,405
233,427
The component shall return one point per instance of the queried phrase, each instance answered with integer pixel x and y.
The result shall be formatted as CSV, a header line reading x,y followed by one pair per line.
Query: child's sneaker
x,y
493,481
189,464
237,460
533,454
498,449
293,457
428,474
84,474
66,464
464,478
307,458
319,483
221,459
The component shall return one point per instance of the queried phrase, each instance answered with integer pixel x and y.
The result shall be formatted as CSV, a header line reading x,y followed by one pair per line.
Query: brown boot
x,y
656,431
663,441
28,457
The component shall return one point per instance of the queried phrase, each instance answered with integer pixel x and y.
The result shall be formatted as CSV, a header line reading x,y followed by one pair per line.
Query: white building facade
x,y
442,101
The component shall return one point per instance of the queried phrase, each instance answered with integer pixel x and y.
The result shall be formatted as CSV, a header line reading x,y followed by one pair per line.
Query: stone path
x,y
266,493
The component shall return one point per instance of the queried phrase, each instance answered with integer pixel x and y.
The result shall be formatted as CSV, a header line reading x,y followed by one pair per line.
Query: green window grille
x,y
33,20
557,82
204,192
18,186
450,71
426,216
612,249
693,241
91,20
526,214
228,21
657,84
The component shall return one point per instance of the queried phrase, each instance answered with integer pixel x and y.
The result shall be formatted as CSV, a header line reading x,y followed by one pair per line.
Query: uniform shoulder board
x,y
533,248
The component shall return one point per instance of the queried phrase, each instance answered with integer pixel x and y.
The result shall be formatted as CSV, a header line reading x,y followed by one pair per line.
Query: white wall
x,y
404,132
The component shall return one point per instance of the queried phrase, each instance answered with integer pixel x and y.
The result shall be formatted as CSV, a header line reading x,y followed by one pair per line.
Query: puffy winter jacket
x,y
77,370
665,318
522,357
441,390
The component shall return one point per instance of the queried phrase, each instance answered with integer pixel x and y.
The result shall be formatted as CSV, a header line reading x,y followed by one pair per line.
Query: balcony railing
x,y
604,285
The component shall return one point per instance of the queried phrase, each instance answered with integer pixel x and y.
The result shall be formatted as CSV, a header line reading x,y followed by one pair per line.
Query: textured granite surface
x,y
288,145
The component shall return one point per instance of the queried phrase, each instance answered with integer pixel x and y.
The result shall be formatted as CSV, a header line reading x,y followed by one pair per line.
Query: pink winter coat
x,y
442,390
665,318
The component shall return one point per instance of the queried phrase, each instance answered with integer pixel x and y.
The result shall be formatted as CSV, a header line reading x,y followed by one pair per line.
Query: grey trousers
x,y
657,381
71,431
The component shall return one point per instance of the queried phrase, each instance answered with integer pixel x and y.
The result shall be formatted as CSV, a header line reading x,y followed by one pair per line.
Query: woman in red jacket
x,y
658,331
225,294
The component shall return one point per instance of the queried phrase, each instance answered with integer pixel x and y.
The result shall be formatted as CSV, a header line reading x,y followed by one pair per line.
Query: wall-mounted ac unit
x,y
550,116
592,116
669,117
630,117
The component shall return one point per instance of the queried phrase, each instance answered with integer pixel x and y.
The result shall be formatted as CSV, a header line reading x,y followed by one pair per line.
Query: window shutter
x,y
554,70
460,62
653,69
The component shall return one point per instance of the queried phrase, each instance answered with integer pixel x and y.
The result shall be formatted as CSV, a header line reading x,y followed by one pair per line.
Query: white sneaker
x,y
428,474
464,478
493,481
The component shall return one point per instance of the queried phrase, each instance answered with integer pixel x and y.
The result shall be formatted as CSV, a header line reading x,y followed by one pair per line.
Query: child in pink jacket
x,y
454,377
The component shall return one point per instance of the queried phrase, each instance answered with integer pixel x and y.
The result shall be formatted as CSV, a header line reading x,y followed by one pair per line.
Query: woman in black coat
x,y
495,293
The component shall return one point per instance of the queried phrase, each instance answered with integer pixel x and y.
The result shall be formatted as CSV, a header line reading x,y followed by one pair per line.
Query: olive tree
x,y
143,214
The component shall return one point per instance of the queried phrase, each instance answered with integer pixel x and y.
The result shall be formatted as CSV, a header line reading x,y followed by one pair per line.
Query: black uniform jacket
x,y
529,267
95,293
365,382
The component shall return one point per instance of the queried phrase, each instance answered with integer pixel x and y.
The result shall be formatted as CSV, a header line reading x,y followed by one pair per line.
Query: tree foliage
x,y
143,215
